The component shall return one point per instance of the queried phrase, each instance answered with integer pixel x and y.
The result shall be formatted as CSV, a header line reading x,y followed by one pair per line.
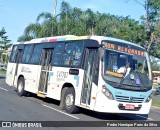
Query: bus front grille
x,y
129,99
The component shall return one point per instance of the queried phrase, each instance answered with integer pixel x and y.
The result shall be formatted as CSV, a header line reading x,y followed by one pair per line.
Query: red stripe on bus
x,y
52,40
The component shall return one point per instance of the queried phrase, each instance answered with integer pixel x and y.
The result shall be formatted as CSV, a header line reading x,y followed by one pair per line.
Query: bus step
x,y
41,95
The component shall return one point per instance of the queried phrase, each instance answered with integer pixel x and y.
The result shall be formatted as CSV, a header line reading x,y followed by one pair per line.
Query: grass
x,y
155,86
2,72
156,103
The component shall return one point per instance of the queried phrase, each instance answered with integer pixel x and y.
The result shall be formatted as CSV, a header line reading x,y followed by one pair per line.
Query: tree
x,y
4,44
3,39
154,64
151,23
74,21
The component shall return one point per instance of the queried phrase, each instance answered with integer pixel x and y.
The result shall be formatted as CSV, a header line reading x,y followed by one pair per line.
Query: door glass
x,y
88,76
45,63
17,60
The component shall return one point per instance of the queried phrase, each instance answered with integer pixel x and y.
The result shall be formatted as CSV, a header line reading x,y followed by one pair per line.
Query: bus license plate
x,y
129,106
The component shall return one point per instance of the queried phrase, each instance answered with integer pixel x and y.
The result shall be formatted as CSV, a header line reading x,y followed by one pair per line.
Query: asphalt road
x,y
33,108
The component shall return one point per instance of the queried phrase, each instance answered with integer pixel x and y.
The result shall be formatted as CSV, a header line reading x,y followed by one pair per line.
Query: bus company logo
x,y
131,99
25,69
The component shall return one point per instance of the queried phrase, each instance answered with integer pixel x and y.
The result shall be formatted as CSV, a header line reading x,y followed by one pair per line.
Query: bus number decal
x,y
61,75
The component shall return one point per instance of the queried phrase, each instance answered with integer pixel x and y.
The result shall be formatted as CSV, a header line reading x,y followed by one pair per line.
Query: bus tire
x,y
20,87
61,106
69,101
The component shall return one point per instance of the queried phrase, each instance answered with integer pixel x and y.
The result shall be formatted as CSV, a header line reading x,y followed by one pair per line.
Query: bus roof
x,y
100,38
73,37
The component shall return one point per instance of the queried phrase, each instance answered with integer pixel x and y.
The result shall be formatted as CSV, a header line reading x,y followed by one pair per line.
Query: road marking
x,y
60,111
145,117
4,89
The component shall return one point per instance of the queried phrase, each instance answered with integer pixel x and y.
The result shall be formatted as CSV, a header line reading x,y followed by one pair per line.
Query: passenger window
x,y
73,53
57,55
68,52
35,58
13,54
77,54
27,53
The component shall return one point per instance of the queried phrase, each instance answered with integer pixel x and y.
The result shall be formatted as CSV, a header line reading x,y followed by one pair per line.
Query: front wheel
x,y
69,101
20,87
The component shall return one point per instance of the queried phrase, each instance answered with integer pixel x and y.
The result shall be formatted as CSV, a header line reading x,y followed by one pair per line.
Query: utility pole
x,y
55,6
54,14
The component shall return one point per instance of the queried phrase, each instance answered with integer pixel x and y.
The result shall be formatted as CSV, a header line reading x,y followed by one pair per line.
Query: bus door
x,y
89,66
17,60
46,57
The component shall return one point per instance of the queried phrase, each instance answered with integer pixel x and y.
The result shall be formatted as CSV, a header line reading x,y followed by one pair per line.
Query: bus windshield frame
x,y
126,66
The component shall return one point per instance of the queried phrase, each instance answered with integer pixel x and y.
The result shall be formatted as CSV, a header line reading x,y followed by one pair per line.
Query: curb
x,y
154,107
2,76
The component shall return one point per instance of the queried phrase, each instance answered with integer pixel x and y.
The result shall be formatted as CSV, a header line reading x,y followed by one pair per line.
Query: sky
x,y
15,15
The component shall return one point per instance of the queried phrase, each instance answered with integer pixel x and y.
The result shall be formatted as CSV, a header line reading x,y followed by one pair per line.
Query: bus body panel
x,y
31,76
58,77
10,73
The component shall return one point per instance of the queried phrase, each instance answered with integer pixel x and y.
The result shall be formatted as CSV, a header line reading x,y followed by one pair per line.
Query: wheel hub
x,y
69,100
20,87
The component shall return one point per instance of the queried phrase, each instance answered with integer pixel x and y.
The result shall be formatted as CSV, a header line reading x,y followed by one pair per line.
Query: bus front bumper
x,y
103,104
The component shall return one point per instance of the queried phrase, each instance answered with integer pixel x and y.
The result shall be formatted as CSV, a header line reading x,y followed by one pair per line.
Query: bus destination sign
x,y
124,49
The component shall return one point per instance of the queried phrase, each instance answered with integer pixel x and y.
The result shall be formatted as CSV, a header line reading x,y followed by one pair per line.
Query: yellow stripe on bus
x,y
41,95
77,38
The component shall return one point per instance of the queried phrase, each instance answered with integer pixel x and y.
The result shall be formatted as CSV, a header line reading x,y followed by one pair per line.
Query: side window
x,y
68,52
27,53
73,53
57,55
77,53
13,54
35,58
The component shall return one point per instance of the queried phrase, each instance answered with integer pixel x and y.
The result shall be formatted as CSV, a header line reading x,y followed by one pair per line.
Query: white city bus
x,y
98,73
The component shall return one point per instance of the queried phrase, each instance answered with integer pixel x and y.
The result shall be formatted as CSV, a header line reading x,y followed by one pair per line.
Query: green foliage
x,y
151,23
156,102
155,64
4,45
3,39
75,21
2,72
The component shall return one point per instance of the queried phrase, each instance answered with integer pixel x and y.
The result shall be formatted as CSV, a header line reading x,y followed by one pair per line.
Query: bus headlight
x,y
107,93
149,98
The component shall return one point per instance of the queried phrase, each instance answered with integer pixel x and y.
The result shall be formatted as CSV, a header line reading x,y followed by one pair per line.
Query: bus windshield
x,y
128,71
